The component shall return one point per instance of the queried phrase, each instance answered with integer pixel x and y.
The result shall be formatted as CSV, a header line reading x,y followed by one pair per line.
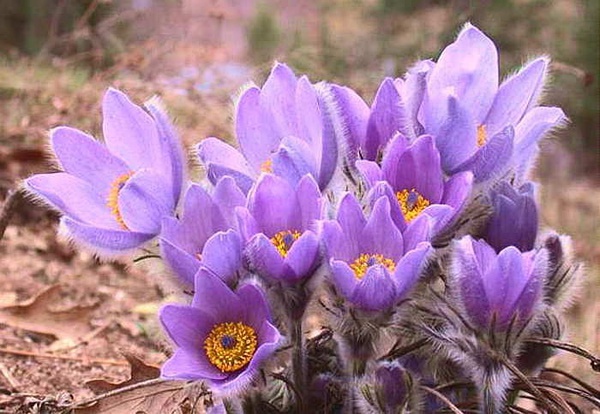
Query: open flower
x,y
113,197
478,125
411,177
281,129
204,235
223,337
282,245
373,264
514,221
496,288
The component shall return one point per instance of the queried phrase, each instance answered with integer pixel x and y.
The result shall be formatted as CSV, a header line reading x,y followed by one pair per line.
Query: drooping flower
x,y
495,288
478,125
281,129
373,264
113,197
411,177
514,221
223,337
279,227
204,235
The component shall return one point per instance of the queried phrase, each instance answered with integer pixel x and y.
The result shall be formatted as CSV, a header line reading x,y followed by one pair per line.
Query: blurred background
x,y
58,56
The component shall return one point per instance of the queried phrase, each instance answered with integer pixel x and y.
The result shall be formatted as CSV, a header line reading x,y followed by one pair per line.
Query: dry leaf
x,y
140,371
157,396
36,315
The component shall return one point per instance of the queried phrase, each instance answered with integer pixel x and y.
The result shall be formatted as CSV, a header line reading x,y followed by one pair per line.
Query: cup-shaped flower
x,y
389,389
278,225
204,235
514,221
223,337
497,288
411,177
373,264
281,129
114,196
478,125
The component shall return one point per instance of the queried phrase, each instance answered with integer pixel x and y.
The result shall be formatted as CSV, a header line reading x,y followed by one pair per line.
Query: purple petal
x,y
457,190
329,152
376,291
380,234
413,91
144,201
343,278
309,117
184,264
370,171
274,205
504,282
472,291
227,195
294,159
420,229
186,326
410,267
387,117
391,158
222,254
214,152
516,95
335,242
257,309
186,365
536,270
213,297
245,223
82,156
278,99
303,256
309,201
264,258
352,221
383,189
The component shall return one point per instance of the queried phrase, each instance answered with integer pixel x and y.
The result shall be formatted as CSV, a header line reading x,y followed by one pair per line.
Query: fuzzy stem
x,y
298,360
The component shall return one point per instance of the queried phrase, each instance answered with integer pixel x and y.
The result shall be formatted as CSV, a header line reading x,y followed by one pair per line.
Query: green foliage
x,y
263,35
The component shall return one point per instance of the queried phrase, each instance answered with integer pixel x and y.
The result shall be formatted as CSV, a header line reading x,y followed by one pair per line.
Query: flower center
x,y
230,345
112,200
284,240
267,166
411,203
364,261
481,135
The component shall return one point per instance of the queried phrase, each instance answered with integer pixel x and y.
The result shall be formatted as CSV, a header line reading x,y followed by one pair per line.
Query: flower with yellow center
x,y
364,261
411,203
230,346
284,240
112,200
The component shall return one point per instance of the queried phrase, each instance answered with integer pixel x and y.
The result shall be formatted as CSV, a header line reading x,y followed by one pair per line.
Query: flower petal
x,y
303,256
213,297
309,201
273,204
263,258
278,99
376,291
370,171
294,159
410,267
343,278
222,254
186,326
186,365
183,264
380,235
387,117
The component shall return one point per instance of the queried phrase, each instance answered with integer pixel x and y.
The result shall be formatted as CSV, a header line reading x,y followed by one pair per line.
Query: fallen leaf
x,y
139,371
155,396
37,315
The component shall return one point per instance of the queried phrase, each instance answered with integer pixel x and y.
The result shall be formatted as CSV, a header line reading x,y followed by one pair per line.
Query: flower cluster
x,y
409,228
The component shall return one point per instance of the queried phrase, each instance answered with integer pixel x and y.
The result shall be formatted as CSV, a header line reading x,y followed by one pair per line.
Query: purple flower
x,y
203,235
373,263
278,223
497,288
477,125
223,337
515,218
411,178
281,129
391,383
114,196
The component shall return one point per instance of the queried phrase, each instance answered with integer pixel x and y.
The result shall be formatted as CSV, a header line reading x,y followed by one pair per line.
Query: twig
x,y
594,361
442,397
65,357
9,207
586,386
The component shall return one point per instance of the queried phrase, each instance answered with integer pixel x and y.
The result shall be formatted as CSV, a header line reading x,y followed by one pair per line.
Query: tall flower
x,y
373,264
411,177
204,235
478,125
280,129
495,288
279,225
114,196
223,337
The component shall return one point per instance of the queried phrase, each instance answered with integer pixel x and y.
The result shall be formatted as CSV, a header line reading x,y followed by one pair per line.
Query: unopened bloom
x,y
411,177
495,288
389,389
279,225
373,264
281,129
514,221
113,197
223,337
478,125
204,234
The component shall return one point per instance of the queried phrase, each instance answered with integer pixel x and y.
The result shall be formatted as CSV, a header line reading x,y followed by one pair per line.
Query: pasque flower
x,y
514,221
114,196
223,337
279,225
204,234
495,288
281,129
412,178
373,264
478,125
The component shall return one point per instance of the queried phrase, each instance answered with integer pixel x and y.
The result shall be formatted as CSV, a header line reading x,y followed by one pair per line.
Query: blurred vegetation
x,y
263,35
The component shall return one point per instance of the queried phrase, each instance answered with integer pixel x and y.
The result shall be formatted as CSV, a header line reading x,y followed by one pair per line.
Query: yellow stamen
x,y
267,166
283,241
481,135
230,345
411,203
112,200
364,261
